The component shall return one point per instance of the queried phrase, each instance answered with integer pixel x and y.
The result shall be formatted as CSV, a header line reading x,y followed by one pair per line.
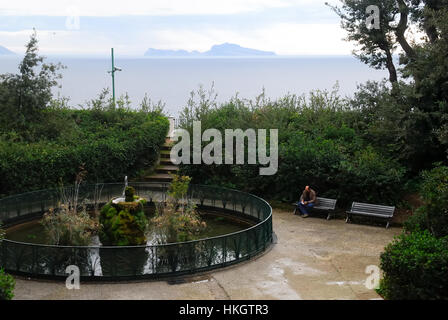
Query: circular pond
x,y
217,225
239,227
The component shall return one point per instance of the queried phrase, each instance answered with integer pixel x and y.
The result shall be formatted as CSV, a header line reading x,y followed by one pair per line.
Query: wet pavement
x,y
312,259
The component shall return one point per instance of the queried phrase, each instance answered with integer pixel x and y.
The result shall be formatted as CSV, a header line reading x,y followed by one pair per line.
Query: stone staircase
x,y
165,167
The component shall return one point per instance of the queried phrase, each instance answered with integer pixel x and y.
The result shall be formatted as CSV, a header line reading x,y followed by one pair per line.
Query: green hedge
x,y
415,266
319,145
110,144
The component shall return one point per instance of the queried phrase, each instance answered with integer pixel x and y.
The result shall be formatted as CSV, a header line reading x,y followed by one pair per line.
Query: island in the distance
x,y
220,50
5,52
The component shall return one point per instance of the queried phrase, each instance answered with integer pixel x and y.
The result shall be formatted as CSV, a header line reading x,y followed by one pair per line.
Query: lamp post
x,y
113,74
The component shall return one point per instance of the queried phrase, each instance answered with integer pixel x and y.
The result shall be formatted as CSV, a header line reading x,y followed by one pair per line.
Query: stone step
x,y
166,162
166,146
167,168
159,177
165,154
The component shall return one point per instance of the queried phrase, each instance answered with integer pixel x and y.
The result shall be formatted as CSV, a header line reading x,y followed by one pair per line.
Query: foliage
x,y
177,220
123,223
321,143
7,285
109,143
179,187
415,266
434,191
409,119
417,222
174,225
375,46
68,227
24,95
2,232
70,224
129,193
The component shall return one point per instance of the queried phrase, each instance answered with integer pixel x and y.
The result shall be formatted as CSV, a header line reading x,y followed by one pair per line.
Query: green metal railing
x,y
138,262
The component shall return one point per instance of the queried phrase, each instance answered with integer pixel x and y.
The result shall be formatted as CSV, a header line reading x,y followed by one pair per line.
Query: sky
x,y
91,28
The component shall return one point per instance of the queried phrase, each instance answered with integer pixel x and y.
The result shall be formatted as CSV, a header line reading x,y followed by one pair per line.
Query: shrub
x,y
69,227
110,144
320,144
415,266
178,220
434,192
417,222
7,285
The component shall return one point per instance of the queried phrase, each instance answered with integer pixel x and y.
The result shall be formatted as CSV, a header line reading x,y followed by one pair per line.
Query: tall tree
x,y
24,95
375,46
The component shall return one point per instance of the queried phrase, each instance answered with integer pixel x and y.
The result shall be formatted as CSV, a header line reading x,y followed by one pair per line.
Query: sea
x,y
171,80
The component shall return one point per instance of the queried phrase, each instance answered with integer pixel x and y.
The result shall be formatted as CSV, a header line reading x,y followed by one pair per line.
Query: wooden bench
x,y
323,204
371,210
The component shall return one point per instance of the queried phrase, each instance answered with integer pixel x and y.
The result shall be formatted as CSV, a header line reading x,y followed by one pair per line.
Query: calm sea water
x,y
171,80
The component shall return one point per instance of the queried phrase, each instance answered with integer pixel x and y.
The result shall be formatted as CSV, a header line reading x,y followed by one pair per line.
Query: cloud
x,y
283,38
134,7
290,27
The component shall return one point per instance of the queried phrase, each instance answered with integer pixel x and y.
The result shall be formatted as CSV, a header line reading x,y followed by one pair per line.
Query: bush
x,y
319,145
68,227
415,266
417,222
178,219
110,144
7,285
434,192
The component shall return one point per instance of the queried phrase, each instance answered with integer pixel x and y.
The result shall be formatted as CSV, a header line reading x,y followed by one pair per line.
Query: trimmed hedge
x,y
107,148
415,266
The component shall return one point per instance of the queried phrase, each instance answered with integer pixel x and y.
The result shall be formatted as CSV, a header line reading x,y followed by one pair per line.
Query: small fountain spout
x,y
125,185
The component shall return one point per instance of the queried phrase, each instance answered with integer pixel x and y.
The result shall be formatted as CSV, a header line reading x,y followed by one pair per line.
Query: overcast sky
x,y
79,27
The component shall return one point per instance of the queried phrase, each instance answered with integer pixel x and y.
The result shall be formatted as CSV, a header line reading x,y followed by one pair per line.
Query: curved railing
x,y
114,263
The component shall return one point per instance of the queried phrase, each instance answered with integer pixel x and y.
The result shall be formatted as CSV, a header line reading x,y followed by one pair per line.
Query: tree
x,y
376,45
24,95
410,119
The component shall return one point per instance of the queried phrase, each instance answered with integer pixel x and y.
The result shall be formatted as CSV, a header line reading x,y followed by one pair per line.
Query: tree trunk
x,y
401,29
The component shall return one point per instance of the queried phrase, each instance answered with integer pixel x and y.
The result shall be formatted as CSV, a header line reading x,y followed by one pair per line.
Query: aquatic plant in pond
x,y
177,220
69,227
70,224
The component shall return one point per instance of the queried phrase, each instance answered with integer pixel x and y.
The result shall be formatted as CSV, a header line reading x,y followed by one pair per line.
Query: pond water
x,y
33,232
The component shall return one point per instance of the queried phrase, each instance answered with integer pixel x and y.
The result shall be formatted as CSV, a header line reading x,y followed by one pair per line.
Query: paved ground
x,y
312,259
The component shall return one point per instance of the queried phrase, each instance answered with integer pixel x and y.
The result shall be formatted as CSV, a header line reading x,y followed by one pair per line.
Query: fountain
x,y
239,227
122,198
123,219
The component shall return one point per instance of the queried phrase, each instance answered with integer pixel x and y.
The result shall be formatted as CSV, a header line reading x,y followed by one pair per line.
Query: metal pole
x,y
113,76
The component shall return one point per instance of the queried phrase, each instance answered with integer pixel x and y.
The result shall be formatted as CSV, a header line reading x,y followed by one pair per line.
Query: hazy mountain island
x,y
221,50
5,52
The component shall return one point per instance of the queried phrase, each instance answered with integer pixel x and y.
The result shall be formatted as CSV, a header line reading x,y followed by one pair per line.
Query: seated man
x,y
307,200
